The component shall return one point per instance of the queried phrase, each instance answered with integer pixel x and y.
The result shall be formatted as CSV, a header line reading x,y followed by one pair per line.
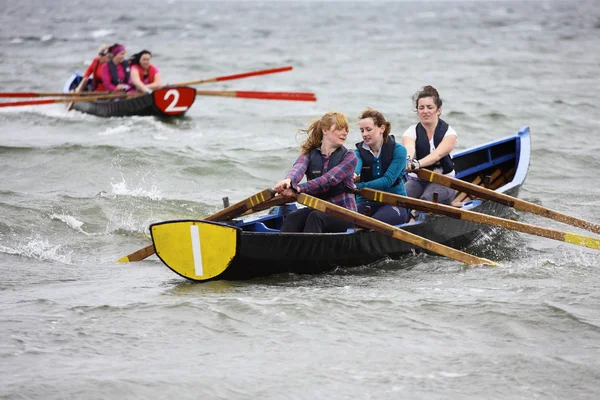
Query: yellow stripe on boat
x,y
586,241
198,250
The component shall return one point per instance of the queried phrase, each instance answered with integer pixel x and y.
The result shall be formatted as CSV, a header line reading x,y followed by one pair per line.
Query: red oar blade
x,y
27,103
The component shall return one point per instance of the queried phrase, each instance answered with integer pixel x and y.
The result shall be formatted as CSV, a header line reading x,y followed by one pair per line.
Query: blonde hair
x,y
102,47
315,130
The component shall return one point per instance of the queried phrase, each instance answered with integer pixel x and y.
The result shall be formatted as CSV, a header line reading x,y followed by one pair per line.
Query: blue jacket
x,y
384,180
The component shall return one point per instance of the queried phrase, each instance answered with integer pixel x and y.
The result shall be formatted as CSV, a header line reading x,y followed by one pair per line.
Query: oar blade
x,y
197,250
581,240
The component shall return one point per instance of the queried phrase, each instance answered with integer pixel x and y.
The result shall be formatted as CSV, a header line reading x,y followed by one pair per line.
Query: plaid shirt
x,y
343,172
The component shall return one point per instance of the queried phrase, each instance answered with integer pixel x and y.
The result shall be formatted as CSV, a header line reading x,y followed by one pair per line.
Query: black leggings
x,y
308,220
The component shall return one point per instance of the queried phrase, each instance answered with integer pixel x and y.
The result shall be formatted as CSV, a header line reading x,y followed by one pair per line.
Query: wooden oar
x,y
505,199
236,76
389,230
293,96
43,94
223,215
465,215
68,100
276,201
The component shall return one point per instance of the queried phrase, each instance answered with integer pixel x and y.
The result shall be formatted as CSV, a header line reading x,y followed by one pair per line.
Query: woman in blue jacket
x,y
381,165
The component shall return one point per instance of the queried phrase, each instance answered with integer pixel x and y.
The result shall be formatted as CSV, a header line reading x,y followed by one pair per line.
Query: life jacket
x,y
315,170
423,148
97,79
387,154
114,76
146,79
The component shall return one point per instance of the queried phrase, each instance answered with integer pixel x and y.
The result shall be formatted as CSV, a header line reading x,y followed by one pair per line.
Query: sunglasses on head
x,y
103,53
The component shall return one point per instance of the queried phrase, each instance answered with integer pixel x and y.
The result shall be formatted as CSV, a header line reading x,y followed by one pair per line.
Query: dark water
x,y
77,192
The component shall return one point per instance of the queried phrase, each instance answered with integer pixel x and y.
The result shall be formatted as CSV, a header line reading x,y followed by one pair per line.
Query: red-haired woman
x,y
329,169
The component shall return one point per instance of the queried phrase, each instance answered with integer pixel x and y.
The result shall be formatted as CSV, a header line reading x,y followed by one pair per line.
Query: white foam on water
x,y
39,249
126,222
121,189
99,33
116,130
46,38
71,221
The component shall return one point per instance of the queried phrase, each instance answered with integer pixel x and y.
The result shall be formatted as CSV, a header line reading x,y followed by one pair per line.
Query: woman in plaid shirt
x,y
329,169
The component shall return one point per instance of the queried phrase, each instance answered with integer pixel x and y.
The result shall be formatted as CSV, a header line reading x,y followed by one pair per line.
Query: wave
x,y
100,33
42,38
39,249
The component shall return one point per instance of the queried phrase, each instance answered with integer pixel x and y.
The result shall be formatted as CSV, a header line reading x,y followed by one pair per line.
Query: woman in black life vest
x,y
329,168
429,144
381,164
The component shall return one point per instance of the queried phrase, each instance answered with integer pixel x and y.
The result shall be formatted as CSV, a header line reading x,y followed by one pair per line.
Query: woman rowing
x,y
144,76
329,169
95,71
381,164
429,144
115,73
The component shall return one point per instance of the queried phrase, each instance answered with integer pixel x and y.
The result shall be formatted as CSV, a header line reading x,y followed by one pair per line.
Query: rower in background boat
x,y
429,144
95,70
329,169
381,164
145,77
115,72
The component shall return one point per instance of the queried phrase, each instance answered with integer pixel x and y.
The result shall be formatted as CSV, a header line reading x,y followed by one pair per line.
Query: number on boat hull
x,y
197,250
174,101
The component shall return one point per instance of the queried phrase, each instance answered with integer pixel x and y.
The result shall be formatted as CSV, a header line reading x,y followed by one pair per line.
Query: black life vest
x,y
423,148
315,170
114,76
387,154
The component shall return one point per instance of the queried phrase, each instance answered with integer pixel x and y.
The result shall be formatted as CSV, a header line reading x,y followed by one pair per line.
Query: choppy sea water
x,y
77,192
